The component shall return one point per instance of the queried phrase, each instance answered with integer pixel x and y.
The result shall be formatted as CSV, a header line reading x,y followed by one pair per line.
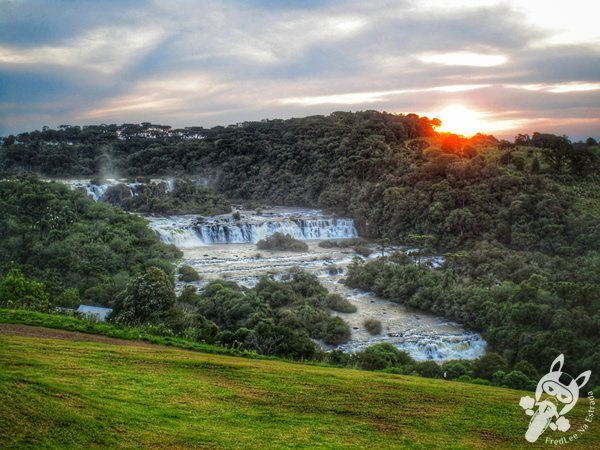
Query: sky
x,y
491,66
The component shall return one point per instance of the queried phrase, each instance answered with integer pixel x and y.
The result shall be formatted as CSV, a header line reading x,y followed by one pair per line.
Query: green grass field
x,y
57,393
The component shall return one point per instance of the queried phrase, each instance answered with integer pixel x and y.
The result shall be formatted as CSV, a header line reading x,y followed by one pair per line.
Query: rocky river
x,y
224,247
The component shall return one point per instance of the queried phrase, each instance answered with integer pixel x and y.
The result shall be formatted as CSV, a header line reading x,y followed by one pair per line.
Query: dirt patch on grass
x,y
51,333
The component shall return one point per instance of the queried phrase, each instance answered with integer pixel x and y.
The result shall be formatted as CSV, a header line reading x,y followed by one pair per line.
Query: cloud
x,y
106,50
559,88
465,59
182,63
372,97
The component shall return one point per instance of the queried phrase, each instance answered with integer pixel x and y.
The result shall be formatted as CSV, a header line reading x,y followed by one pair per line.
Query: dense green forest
x,y
518,222
186,197
78,248
392,173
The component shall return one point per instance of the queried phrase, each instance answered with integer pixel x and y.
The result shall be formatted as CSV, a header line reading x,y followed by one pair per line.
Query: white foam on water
x,y
221,247
224,229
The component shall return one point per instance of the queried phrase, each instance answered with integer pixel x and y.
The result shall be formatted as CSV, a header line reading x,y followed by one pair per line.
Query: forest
x,y
518,223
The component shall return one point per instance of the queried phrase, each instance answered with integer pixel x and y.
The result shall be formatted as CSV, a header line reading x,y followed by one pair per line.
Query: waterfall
x,y
96,191
186,231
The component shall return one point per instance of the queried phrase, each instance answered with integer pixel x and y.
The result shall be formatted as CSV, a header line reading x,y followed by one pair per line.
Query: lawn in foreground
x,y
68,394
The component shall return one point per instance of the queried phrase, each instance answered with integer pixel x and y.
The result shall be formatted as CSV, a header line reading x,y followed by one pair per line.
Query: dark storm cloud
x,y
216,62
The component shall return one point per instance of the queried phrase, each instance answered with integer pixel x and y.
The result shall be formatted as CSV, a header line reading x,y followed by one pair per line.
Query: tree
x,y
390,354
488,364
518,380
146,298
17,292
428,369
452,144
383,244
535,166
557,152
522,139
69,298
336,331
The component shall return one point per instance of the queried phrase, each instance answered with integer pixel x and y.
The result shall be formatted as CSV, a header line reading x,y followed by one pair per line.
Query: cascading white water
x,y
187,231
222,247
97,191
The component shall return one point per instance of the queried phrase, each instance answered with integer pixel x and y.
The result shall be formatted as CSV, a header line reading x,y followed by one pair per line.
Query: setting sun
x,y
461,120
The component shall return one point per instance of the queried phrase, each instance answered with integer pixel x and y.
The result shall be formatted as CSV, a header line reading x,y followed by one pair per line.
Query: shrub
x,y
373,326
468,379
333,270
454,369
390,354
527,368
428,369
362,250
17,292
97,181
370,361
488,364
69,298
282,242
336,331
146,297
342,243
518,380
338,358
338,303
188,274
327,244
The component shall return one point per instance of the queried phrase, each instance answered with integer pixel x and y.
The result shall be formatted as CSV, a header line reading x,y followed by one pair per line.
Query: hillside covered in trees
x,y
518,222
391,173
77,248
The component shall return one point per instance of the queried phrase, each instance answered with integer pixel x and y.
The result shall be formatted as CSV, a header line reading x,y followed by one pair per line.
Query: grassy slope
x,y
69,394
114,331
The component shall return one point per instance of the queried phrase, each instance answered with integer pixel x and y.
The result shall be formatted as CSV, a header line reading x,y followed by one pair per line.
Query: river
x,y
223,247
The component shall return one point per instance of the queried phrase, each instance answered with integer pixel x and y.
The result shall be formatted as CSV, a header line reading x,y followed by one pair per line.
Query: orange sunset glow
x,y
467,121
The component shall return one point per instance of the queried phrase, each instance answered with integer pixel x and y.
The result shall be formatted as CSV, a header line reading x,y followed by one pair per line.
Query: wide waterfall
x,y
222,247
190,231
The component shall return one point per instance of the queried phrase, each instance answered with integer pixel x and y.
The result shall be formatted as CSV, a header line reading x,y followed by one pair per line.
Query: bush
x,y
338,358
488,364
528,369
17,292
282,242
373,326
469,379
188,274
428,369
370,361
97,181
338,303
390,354
518,380
145,299
342,243
333,270
336,332
454,369
362,250
69,298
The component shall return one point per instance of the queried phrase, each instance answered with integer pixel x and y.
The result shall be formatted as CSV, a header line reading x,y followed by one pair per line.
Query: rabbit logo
x,y
556,394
